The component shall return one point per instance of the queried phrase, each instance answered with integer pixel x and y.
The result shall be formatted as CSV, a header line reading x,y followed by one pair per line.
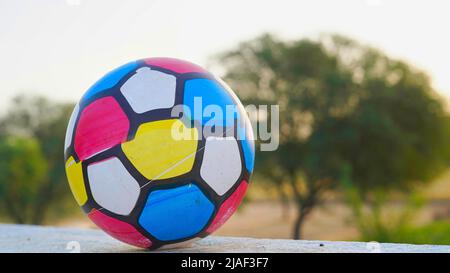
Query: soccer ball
x,y
159,152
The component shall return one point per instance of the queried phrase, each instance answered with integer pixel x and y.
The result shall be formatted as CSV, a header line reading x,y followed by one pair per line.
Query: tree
x,y
44,121
345,109
22,170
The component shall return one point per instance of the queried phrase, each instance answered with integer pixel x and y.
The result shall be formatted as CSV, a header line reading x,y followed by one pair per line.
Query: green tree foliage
x,y
44,122
22,171
346,110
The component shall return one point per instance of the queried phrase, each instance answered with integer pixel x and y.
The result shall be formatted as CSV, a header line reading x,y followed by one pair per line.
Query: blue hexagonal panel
x,y
215,96
110,79
204,95
177,213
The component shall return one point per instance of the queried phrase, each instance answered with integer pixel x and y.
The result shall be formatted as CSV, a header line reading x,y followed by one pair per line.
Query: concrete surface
x,y
25,238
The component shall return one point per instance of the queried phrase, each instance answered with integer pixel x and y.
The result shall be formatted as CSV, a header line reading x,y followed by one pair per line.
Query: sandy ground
x,y
329,222
265,219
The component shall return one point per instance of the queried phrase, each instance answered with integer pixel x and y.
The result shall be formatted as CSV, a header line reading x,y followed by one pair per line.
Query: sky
x,y
59,48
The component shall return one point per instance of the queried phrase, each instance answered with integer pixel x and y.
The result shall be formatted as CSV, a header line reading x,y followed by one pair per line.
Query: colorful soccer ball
x,y
158,152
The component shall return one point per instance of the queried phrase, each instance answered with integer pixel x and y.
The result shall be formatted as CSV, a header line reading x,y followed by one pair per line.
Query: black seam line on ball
x,y
100,94
173,185
137,119
193,154
215,199
116,87
133,117
219,200
193,176
116,151
70,150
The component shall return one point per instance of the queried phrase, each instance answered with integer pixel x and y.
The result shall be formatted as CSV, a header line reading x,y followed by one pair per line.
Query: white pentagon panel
x,y
221,165
70,126
112,186
149,89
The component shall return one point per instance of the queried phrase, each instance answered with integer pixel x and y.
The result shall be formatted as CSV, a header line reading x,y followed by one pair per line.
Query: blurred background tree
x,y
33,180
22,171
348,115
353,122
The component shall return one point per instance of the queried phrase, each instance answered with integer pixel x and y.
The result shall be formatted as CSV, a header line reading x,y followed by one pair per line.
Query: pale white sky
x,y
60,47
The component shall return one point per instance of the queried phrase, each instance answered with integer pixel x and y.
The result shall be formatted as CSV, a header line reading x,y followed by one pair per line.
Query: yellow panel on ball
x,y
162,149
76,181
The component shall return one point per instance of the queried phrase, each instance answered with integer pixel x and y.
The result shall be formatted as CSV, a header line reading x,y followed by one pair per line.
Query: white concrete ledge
x,y
25,238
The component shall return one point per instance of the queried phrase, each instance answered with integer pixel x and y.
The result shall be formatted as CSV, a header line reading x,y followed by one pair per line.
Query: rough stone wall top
x,y
24,238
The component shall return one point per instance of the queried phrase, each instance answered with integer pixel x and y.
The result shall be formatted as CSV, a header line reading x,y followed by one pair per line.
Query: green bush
x,y
435,233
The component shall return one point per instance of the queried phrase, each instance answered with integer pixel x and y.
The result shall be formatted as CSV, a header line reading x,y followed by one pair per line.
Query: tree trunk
x,y
284,200
38,217
298,224
16,215
46,194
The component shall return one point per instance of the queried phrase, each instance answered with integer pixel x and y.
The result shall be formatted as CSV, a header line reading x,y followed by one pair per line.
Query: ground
x,y
264,219
330,221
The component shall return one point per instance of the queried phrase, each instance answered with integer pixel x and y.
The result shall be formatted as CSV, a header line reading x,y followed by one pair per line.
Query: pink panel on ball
x,y
120,230
102,125
228,207
175,65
